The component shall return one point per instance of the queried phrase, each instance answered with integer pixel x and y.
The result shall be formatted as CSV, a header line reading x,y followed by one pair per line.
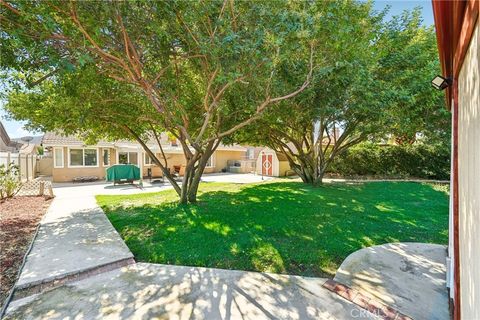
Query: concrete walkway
x,y
152,291
409,277
74,236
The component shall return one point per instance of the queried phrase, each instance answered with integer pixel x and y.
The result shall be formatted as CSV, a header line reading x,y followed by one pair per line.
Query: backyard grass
x,y
282,227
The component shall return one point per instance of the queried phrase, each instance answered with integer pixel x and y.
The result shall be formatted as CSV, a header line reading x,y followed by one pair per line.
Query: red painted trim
x,y
456,238
455,22
466,33
443,16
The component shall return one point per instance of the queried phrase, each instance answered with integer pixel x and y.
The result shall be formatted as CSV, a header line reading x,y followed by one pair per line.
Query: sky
x,y
15,129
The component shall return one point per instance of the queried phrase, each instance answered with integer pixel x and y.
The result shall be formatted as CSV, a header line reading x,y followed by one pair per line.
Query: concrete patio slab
x,y
152,291
235,178
70,189
409,277
74,236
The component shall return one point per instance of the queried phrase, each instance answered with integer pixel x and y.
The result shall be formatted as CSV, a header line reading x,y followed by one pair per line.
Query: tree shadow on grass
x,y
283,227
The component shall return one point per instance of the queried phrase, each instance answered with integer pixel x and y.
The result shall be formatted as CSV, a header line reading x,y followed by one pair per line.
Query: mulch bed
x,y
19,218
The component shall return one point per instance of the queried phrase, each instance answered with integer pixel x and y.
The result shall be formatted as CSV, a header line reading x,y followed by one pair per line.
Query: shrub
x,y
9,180
394,161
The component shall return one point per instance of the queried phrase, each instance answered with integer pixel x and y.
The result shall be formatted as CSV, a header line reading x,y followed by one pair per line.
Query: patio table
x,y
121,173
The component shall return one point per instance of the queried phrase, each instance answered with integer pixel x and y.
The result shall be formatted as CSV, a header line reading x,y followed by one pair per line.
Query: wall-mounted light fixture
x,y
441,83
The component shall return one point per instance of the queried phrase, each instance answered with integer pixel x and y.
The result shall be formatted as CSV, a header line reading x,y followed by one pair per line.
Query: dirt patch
x,y
19,218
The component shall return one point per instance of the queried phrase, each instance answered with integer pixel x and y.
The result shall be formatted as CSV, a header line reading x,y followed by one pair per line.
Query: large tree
x,y
342,106
371,82
198,70
409,61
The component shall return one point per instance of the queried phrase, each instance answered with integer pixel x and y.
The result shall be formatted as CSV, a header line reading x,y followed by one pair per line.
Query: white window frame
x,y
55,150
212,161
128,156
250,153
145,157
108,157
83,158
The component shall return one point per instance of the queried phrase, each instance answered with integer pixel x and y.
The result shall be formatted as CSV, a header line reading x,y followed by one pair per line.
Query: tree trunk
x,y
308,168
193,175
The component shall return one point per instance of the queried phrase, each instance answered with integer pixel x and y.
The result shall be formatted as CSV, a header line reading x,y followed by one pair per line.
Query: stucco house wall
x,y
221,158
68,173
469,179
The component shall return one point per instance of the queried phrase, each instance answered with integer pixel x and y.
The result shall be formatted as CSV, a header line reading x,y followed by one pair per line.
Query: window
x,y
210,162
147,160
76,157
106,157
123,157
127,157
250,153
58,157
90,157
83,157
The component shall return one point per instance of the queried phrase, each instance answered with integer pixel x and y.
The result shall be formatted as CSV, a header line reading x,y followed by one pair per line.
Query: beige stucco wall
x,y
68,174
221,158
220,161
45,166
469,179
284,167
173,159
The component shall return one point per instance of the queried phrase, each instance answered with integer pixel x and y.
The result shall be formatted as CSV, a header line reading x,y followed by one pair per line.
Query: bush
x,y
9,181
394,161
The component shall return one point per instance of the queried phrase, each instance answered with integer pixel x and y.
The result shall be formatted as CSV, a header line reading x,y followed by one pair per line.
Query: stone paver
x,y
152,291
409,277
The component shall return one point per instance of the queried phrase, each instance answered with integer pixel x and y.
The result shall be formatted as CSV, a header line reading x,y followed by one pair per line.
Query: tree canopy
x,y
371,82
200,71
309,79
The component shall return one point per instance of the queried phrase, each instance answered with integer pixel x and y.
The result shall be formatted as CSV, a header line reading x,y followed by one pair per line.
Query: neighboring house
x,y
6,144
458,35
72,158
21,152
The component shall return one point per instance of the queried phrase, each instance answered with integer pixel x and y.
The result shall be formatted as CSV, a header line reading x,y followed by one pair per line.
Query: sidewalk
x,y
75,236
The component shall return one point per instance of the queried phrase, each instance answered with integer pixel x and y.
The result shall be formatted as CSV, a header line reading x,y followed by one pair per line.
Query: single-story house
x,y
458,36
72,158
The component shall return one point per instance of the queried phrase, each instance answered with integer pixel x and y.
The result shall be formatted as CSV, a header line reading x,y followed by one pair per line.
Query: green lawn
x,y
283,227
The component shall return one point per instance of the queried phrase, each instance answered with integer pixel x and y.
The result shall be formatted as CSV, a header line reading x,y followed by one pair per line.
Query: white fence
x,y
27,164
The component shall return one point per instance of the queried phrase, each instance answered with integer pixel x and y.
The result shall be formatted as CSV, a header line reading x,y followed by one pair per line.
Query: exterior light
x,y
441,83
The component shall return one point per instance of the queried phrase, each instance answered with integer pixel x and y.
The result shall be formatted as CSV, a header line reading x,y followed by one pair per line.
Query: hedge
x,y
394,161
